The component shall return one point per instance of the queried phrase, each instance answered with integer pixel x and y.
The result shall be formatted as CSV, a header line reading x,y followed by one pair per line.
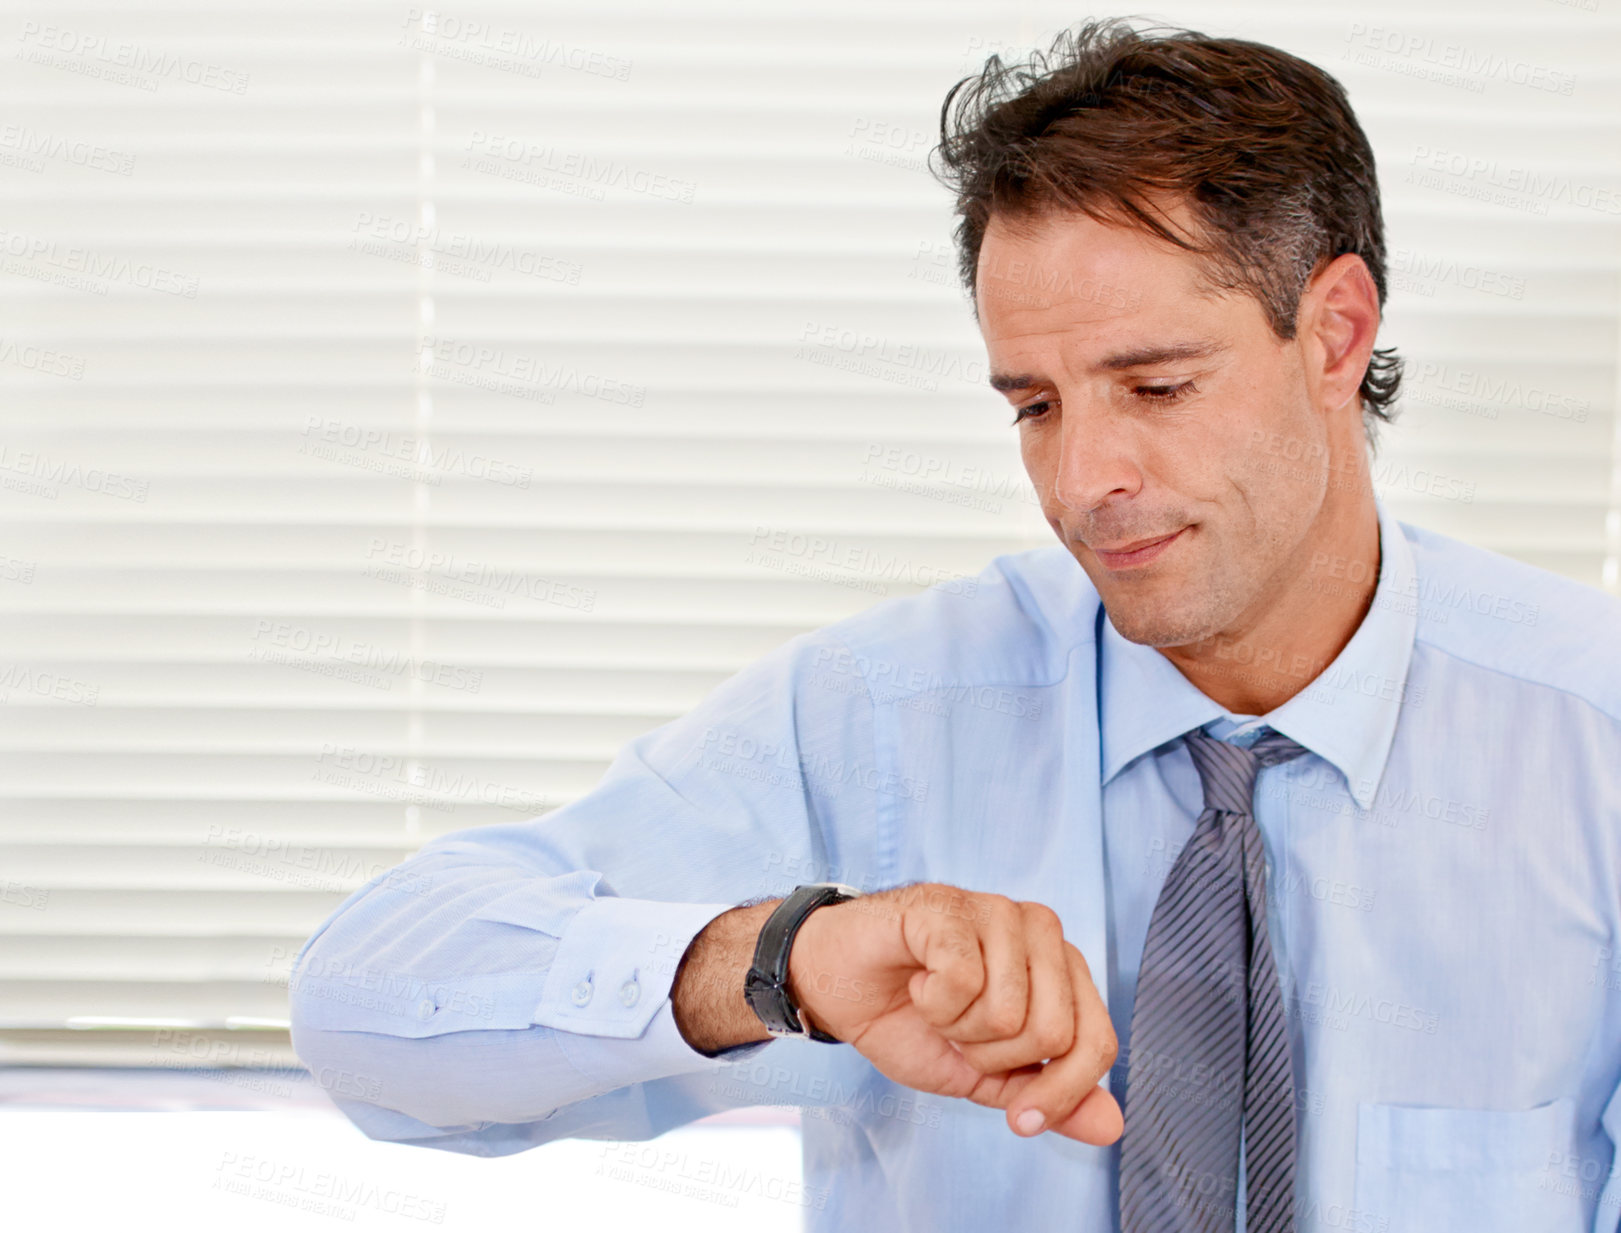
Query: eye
x,y
1166,393
1032,410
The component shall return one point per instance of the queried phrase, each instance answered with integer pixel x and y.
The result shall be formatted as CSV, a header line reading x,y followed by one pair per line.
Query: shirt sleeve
x,y
510,984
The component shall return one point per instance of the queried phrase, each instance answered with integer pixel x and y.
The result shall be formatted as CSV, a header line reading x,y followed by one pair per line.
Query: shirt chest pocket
x,y
1422,1170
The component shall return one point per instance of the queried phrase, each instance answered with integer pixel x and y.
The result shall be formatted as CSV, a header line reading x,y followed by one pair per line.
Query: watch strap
x,y
766,986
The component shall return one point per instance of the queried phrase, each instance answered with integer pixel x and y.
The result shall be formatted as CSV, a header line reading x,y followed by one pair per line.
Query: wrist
x,y
802,956
706,995
780,969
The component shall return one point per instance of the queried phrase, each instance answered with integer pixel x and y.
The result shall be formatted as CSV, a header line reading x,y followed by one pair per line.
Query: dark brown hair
x,y
1262,145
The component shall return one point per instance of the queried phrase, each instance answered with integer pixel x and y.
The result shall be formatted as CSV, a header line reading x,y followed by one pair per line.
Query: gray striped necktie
x,y
1209,1048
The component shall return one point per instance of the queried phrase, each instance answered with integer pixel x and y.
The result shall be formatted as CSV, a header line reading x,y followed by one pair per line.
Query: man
x,y
1280,835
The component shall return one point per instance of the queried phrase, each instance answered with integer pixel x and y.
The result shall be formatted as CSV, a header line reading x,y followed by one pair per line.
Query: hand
x,y
964,994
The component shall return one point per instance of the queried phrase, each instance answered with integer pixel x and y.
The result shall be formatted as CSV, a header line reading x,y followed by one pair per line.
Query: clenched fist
x,y
964,994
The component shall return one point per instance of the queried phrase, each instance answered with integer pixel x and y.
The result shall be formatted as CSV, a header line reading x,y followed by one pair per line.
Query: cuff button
x,y
629,992
582,992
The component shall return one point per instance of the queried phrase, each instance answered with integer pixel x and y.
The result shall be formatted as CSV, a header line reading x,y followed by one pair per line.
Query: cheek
x,y
1039,453
1264,445
1193,466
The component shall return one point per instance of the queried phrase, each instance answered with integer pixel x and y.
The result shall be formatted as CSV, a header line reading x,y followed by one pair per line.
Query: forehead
x,y
1068,274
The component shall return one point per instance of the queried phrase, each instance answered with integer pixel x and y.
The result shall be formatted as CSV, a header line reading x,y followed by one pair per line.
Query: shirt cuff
x,y
616,962
610,982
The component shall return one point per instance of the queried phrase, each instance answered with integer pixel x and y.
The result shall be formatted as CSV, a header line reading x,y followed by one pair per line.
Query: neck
x,y
1313,607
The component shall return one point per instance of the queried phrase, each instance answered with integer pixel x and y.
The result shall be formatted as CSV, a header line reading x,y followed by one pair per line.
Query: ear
x,y
1338,323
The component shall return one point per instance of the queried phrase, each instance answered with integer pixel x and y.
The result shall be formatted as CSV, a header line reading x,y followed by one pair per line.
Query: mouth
x,y
1130,556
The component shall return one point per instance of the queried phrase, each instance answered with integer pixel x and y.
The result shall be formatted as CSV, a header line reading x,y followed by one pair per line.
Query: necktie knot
x,y
1227,772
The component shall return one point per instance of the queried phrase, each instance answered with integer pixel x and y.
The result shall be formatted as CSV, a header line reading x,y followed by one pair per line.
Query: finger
x,y
1066,1081
1049,1027
953,972
1096,1120
1002,1007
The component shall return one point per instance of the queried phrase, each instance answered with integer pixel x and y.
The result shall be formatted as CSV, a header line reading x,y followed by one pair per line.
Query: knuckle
x,y
959,980
1082,968
1005,1019
961,944
1049,1045
1105,1050
1057,1039
1040,918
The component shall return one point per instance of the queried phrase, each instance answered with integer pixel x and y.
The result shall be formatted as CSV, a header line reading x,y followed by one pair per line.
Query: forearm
x,y
530,993
707,996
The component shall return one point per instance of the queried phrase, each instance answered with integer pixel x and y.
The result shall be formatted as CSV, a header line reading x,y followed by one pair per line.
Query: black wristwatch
x,y
766,986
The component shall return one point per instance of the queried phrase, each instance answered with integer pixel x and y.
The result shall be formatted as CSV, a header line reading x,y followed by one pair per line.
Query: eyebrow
x,y
1139,357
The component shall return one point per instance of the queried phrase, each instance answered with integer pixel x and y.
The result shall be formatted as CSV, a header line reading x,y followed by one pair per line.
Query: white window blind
x,y
402,408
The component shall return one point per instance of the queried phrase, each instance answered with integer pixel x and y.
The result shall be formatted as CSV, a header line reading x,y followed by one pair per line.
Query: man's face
x,y
1214,441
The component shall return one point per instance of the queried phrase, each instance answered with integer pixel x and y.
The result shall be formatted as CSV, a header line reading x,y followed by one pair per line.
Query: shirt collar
x,y
1347,715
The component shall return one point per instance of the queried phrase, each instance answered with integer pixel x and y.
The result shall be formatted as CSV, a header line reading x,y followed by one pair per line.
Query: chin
x,y
1149,624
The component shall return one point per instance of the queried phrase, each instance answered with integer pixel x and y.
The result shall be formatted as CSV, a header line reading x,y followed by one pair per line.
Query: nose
x,y
1096,458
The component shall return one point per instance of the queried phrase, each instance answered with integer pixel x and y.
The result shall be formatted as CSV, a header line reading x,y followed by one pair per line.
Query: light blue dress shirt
x,y
1444,901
